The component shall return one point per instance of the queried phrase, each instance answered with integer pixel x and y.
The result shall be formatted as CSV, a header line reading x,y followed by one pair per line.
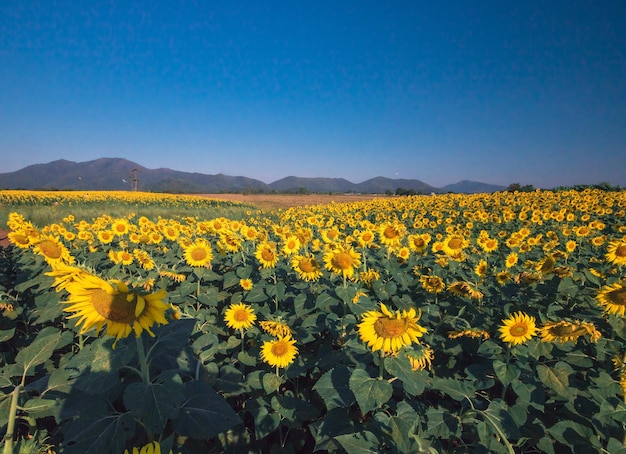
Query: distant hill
x,y
108,174
472,187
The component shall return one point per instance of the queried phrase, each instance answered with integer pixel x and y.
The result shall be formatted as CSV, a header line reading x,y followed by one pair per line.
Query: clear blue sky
x,y
493,91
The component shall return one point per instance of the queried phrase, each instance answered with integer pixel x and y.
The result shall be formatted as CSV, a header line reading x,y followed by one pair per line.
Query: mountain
x,y
108,174
472,187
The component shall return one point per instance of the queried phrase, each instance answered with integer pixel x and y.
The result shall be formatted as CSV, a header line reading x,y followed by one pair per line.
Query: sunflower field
x,y
444,323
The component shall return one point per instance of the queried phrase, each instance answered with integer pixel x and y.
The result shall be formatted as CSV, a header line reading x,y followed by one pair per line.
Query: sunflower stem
x,y
8,438
381,365
143,361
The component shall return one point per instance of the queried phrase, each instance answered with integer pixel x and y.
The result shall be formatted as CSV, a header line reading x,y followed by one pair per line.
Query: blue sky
x,y
491,91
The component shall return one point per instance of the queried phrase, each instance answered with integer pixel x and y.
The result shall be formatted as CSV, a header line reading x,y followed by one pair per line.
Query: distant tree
x,y
518,187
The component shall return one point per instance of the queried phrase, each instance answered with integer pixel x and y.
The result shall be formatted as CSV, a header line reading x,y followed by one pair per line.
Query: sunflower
x,y
546,265
518,328
266,254
613,298
20,239
342,260
472,332
389,332
419,243
52,250
96,302
239,316
503,277
481,268
369,276
616,252
565,331
432,284
466,289
280,352
453,246
291,245
390,233
144,259
421,358
246,284
511,260
198,253
275,328
365,238
488,244
307,267
150,448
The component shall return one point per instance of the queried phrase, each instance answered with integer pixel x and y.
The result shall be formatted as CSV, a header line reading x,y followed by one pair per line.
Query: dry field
x,y
283,201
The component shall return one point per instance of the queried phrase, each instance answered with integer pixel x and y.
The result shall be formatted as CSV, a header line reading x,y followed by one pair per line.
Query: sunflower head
x,y
280,352
518,328
613,298
239,316
389,331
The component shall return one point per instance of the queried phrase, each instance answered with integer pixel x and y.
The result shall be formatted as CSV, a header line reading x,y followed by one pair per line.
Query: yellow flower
x,y
419,243
369,276
291,245
466,289
481,268
518,328
150,448
389,332
307,267
503,277
280,352
432,284
511,260
421,358
616,252
473,333
613,298
342,260
453,246
565,331
52,250
239,316
198,253
390,233
96,302
246,284
266,254
275,328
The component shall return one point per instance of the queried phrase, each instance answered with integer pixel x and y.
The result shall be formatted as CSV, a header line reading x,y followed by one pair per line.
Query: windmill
x,y
134,180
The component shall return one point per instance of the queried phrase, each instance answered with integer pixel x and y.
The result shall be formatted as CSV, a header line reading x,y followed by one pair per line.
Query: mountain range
x,y
109,174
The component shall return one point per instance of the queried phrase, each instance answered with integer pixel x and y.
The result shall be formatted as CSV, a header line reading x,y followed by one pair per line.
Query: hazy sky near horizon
x,y
492,91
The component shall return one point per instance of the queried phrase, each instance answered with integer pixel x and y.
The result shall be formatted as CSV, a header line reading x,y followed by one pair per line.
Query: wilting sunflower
x,y
432,284
239,316
518,328
52,250
198,253
342,260
150,448
275,328
421,357
389,332
96,302
472,332
266,254
369,276
613,298
280,352
565,331
616,252
307,267
546,265
466,289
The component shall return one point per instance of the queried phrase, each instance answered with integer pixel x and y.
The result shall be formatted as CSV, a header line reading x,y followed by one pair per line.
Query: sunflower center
x,y
50,249
518,330
418,242
307,265
21,239
390,328
115,308
568,329
620,251
279,348
391,232
241,316
267,255
343,261
618,296
455,243
367,237
198,254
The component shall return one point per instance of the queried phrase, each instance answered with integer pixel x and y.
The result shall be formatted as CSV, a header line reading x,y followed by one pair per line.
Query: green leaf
x,y
334,388
557,378
40,408
442,423
567,286
102,435
155,403
271,383
578,437
457,389
370,392
414,381
256,295
7,334
230,279
265,422
507,374
40,350
363,442
203,412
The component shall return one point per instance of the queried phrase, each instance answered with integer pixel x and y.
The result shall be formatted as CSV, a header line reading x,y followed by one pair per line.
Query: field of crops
x,y
447,323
